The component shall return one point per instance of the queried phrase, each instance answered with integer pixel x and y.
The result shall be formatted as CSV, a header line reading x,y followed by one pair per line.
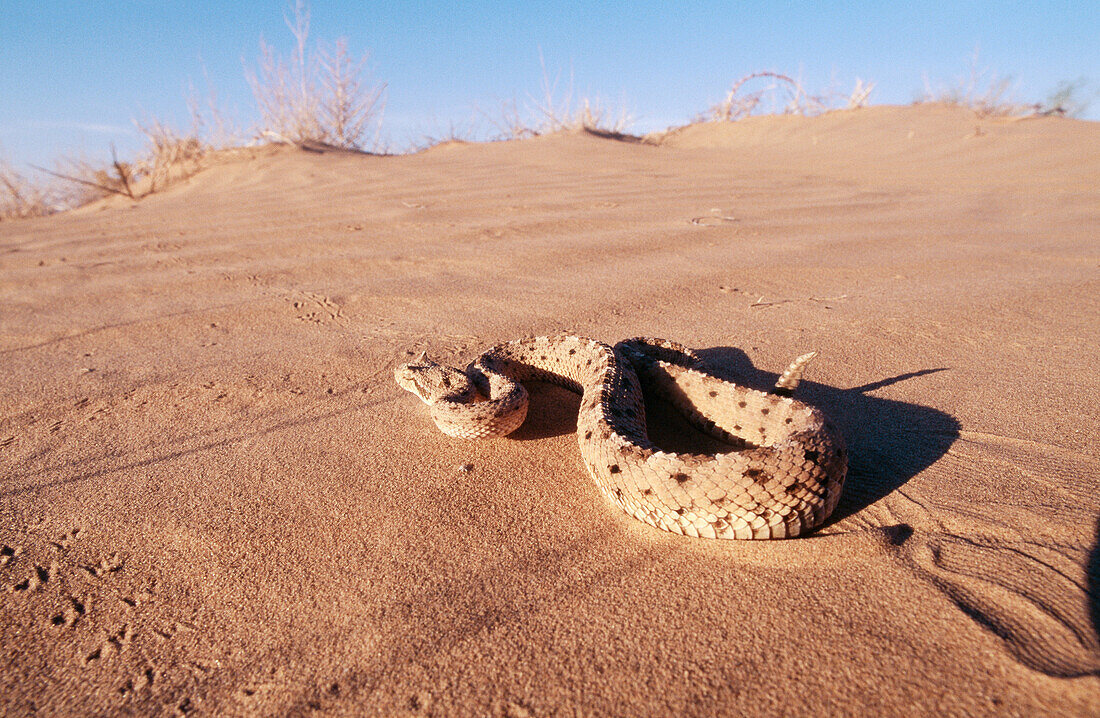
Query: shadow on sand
x,y
1093,584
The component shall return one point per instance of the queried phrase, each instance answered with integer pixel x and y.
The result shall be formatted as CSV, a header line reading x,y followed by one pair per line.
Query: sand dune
x,y
215,499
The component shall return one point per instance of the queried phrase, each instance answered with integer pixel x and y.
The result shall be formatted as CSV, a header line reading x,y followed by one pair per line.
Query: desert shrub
x,y
168,156
781,94
46,192
318,94
555,111
981,90
1069,99
22,197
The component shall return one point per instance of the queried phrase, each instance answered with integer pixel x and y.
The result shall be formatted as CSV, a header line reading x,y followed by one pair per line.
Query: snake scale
x,y
782,478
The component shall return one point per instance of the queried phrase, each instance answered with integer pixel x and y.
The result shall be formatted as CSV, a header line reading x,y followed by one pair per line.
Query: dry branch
x,y
123,171
88,183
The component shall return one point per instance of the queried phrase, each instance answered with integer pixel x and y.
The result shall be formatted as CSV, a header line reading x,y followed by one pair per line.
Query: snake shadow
x,y
1093,589
889,442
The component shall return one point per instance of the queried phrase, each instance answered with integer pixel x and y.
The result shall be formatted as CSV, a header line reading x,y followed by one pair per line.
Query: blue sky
x,y
74,75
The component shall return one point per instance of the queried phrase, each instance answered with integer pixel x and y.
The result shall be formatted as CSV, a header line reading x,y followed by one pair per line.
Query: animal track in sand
x,y
144,679
46,424
1020,574
316,308
509,709
1023,592
79,608
62,608
162,418
8,555
161,246
66,540
36,578
114,643
70,615
109,564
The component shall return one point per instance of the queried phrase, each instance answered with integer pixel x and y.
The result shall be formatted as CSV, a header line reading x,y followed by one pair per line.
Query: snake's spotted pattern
x,y
784,482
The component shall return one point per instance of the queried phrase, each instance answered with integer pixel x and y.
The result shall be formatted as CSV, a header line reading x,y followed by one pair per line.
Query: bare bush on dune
x,y
511,122
590,114
860,95
782,95
72,183
551,113
736,106
21,197
991,101
455,133
983,91
168,156
349,104
1071,98
315,95
96,181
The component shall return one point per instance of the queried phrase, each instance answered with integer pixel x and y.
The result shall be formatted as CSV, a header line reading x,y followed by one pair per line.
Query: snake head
x,y
433,382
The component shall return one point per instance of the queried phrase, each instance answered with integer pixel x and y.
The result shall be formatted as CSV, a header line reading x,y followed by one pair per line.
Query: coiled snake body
x,y
785,481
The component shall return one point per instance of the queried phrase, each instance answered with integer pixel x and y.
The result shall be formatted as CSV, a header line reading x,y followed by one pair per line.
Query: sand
x,y
215,499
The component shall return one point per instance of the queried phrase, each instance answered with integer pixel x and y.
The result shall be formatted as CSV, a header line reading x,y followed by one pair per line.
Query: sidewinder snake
x,y
782,478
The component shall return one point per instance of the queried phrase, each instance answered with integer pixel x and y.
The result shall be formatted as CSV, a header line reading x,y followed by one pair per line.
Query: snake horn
x,y
421,358
788,380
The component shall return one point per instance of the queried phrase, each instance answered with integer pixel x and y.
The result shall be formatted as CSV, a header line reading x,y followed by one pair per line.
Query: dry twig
x,y
87,183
